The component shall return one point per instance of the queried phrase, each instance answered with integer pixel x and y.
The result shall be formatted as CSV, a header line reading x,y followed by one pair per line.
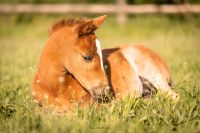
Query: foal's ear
x,y
90,26
98,21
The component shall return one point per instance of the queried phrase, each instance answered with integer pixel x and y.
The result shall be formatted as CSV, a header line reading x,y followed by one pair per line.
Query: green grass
x,y
175,38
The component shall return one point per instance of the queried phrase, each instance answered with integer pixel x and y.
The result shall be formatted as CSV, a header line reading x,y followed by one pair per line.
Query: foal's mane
x,y
66,22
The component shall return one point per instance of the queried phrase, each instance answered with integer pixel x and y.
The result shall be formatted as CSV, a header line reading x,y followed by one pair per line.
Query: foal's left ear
x,y
90,26
98,21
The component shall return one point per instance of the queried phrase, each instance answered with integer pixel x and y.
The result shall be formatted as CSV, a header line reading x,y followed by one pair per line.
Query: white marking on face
x,y
99,52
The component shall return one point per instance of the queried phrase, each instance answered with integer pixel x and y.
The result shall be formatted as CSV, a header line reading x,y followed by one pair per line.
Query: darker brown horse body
x,y
73,71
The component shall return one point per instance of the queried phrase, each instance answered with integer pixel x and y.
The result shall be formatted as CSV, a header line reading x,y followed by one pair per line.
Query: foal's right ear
x,y
90,26
85,28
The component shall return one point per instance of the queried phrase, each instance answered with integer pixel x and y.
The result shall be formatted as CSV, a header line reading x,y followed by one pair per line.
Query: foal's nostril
x,y
100,93
96,92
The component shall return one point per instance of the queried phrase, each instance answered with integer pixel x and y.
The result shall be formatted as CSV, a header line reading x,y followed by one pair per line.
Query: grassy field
x,y
175,38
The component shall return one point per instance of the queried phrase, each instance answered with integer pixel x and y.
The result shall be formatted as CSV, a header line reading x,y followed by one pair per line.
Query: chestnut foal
x,y
71,71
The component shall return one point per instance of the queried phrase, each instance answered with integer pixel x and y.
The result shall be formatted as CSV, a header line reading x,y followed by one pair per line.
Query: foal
x,y
69,62
71,68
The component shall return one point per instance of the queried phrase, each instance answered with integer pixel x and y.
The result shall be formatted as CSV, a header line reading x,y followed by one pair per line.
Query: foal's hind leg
x,y
152,86
150,67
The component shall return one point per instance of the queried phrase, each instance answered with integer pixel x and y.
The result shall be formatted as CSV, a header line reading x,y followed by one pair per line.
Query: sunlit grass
x,y
175,38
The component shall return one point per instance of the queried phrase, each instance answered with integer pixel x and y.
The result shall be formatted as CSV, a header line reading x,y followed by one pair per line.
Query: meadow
x,y
175,37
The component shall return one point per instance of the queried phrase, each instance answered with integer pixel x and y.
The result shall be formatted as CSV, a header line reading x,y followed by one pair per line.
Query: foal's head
x,y
80,52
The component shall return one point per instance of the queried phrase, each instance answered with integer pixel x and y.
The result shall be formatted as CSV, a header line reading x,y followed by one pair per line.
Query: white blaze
x,y
99,52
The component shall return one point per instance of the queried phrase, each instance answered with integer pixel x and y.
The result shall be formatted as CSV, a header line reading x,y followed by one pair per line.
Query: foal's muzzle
x,y
101,93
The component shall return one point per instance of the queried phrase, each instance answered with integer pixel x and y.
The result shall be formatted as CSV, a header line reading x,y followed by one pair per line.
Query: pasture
x,y
176,38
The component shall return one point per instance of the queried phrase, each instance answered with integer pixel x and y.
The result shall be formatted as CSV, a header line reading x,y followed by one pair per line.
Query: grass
x,y
175,38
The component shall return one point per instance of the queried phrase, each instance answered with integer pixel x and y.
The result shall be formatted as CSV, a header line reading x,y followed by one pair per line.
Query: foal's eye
x,y
88,58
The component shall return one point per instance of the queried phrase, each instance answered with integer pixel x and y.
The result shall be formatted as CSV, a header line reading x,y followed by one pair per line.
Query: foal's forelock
x,y
99,52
